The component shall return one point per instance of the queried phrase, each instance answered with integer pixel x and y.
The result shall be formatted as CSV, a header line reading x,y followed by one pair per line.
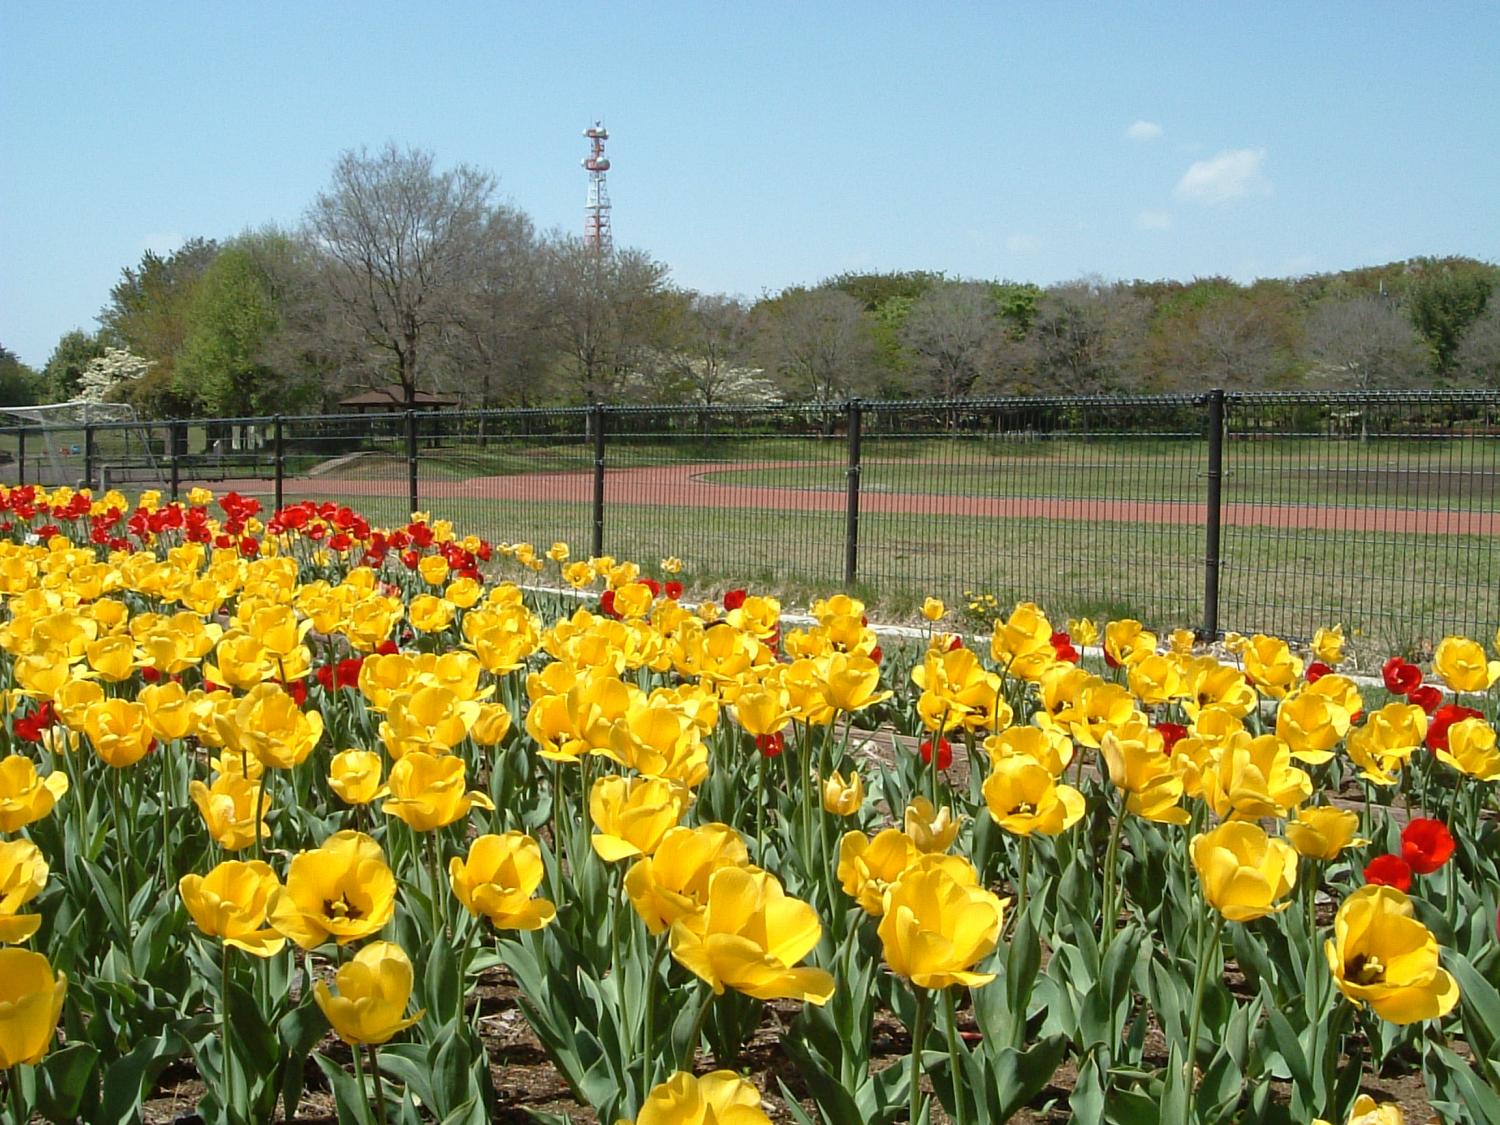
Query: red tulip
x,y
1426,845
1389,871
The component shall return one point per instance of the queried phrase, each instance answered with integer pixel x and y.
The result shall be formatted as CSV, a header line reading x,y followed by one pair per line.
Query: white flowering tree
x,y
115,368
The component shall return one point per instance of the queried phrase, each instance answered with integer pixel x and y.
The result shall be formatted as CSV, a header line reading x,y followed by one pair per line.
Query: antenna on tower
x,y
596,232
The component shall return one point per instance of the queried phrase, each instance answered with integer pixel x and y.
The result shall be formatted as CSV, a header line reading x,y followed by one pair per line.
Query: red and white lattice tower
x,y
596,233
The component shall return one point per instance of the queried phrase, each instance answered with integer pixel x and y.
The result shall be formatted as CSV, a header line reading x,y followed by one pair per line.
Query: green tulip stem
x,y
1452,904
918,1034
697,1035
1021,877
1111,855
18,1106
167,802
955,1059
359,1078
260,814
1200,983
434,869
648,1047
228,1062
379,1082
116,784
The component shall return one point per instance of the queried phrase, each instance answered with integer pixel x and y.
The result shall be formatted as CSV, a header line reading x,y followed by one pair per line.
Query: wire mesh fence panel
x,y
743,495
1380,511
347,459
510,476
1084,506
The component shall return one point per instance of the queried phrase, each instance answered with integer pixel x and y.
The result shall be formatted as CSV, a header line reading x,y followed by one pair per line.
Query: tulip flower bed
x,y
289,803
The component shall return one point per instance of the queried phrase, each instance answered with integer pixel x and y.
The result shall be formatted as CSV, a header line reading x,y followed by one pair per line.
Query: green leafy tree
x,y
232,315
149,315
19,384
1448,296
65,365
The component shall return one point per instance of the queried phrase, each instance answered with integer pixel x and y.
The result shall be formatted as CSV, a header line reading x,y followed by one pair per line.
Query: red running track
x,y
693,486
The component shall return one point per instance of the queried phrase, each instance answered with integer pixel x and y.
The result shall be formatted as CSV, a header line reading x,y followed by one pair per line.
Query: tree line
x,y
406,276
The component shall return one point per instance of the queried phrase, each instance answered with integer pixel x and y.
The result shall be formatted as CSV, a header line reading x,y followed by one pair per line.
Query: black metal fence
x,y
1246,512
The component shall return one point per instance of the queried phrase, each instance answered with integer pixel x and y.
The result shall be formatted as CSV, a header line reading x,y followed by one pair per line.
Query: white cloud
x,y
1154,220
1022,243
1232,174
1143,131
162,242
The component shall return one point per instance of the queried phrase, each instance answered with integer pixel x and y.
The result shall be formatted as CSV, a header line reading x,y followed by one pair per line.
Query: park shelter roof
x,y
393,397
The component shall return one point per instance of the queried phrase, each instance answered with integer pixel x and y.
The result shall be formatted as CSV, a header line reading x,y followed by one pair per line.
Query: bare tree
x,y
401,245
953,333
711,344
1084,338
1478,358
608,314
1364,342
816,344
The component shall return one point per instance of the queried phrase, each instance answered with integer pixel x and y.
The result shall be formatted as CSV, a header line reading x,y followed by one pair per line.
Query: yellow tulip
x,y
1271,665
852,683
1250,778
867,867
1367,1111
23,874
1083,631
1216,685
673,881
1138,764
342,890
268,723
939,923
749,937
433,569
933,609
1328,645
427,791
1021,645
169,710
1156,679
1382,956
1046,746
656,739
931,829
841,797
429,614
719,1098
24,795
31,1000
497,881
1126,641
1462,665
240,662
74,699
373,991
1311,724
1386,740
355,776
228,810
491,724
230,903
119,731
430,720
1244,871
113,657
1320,832
631,815
1471,750
1024,798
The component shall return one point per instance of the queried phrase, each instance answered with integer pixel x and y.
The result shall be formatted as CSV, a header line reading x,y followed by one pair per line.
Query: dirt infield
x,y
693,486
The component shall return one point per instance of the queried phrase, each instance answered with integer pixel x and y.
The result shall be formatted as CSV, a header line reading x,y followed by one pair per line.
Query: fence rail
x,y
1274,512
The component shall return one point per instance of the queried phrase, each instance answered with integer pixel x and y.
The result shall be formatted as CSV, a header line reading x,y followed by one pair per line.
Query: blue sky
x,y
761,145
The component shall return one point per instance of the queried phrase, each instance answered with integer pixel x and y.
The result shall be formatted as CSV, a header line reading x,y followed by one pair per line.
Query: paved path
x,y
694,486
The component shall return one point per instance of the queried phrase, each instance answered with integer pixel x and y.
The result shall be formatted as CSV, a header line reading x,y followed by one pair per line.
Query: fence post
x,y
411,457
1213,517
279,453
596,422
851,517
21,455
175,441
88,456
